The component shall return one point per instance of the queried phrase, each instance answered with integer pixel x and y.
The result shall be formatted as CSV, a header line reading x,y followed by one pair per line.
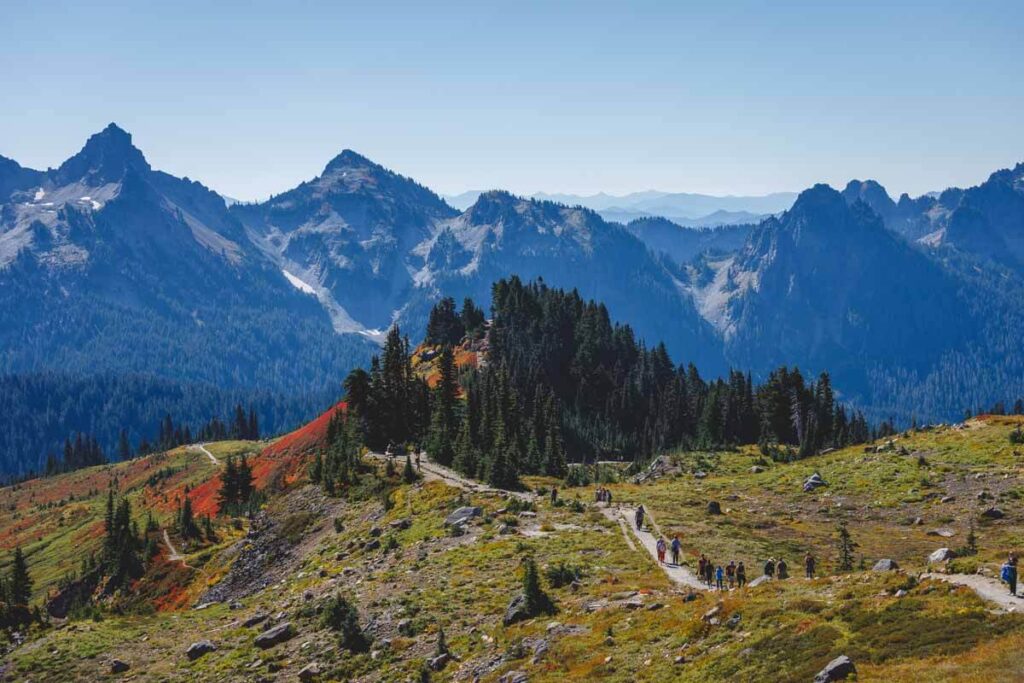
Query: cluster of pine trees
x,y
562,378
123,544
16,593
338,465
236,496
240,426
84,451
448,326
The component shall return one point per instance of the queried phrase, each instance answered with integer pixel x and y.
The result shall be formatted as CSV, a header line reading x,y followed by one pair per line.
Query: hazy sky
x,y
720,97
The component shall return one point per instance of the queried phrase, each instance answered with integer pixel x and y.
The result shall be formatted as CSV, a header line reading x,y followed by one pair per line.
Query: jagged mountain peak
x,y
349,159
104,159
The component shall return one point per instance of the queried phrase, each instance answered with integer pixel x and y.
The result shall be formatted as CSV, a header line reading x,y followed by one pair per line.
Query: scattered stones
x,y
839,669
118,667
199,648
733,621
462,515
680,659
634,603
405,627
993,513
310,672
255,619
307,596
947,499
700,475
756,469
712,613
401,524
439,662
514,677
714,508
944,533
814,482
885,565
900,593
234,604
372,544
941,555
274,636
376,532
654,606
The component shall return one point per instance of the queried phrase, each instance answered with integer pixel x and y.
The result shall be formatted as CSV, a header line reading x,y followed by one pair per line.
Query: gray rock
x,y
400,524
118,667
310,672
439,662
376,531
255,619
714,507
814,482
837,670
372,544
756,469
758,581
700,475
947,499
941,555
199,648
516,610
993,513
944,533
514,677
462,515
885,565
273,636
405,627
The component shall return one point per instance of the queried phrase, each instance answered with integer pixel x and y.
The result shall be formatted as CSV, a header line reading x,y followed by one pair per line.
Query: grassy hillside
x,y
386,547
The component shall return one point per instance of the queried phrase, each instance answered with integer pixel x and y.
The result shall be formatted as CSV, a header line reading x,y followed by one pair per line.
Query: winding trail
x,y
678,574
986,588
173,554
431,471
202,447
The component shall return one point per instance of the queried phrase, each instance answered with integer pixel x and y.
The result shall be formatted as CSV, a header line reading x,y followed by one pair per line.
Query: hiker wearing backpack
x,y
700,566
660,546
719,578
769,568
677,548
730,572
782,569
709,573
809,565
1009,575
741,575
640,518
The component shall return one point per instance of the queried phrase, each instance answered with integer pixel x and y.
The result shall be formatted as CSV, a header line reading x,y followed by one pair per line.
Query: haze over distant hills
x,y
108,266
683,208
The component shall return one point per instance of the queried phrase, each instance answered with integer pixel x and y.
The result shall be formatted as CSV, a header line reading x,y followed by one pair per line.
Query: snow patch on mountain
x,y
298,283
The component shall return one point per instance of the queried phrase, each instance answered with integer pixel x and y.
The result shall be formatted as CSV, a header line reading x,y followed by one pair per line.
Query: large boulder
x,y
256,619
839,669
463,515
941,555
885,565
273,636
516,610
993,513
439,662
118,666
514,677
199,648
714,507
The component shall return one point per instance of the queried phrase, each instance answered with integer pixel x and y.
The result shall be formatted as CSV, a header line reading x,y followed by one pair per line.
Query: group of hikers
x,y
603,495
733,574
1008,573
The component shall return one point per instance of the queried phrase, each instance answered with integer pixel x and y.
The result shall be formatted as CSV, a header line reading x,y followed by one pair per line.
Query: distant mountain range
x,y
108,266
682,208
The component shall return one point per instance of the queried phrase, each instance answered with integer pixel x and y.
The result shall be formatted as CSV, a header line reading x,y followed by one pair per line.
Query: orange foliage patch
x,y
283,461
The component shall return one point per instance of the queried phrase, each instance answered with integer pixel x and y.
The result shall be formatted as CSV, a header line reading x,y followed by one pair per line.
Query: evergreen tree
x,y
124,449
228,497
845,547
19,585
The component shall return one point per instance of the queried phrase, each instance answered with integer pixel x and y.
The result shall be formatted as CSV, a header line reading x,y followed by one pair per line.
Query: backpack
x,y
1005,576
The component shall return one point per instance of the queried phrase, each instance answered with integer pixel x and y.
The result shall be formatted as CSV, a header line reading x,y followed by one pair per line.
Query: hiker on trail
x,y
677,546
709,573
608,497
730,572
661,550
1009,575
783,569
418,454
719,577
640,518
700,566
554,495
809,565
769,568
598,494
741,575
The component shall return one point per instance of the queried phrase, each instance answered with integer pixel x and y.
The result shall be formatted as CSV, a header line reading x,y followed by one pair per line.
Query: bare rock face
x,y
885,566
310,672
941,555
462,515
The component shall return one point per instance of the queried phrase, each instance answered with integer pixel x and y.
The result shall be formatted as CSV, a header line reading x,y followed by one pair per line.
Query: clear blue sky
x,y
720,97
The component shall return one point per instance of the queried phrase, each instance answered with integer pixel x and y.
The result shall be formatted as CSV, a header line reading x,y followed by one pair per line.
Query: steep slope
x,y
347,235
684,244
109,266
503,235
827,286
